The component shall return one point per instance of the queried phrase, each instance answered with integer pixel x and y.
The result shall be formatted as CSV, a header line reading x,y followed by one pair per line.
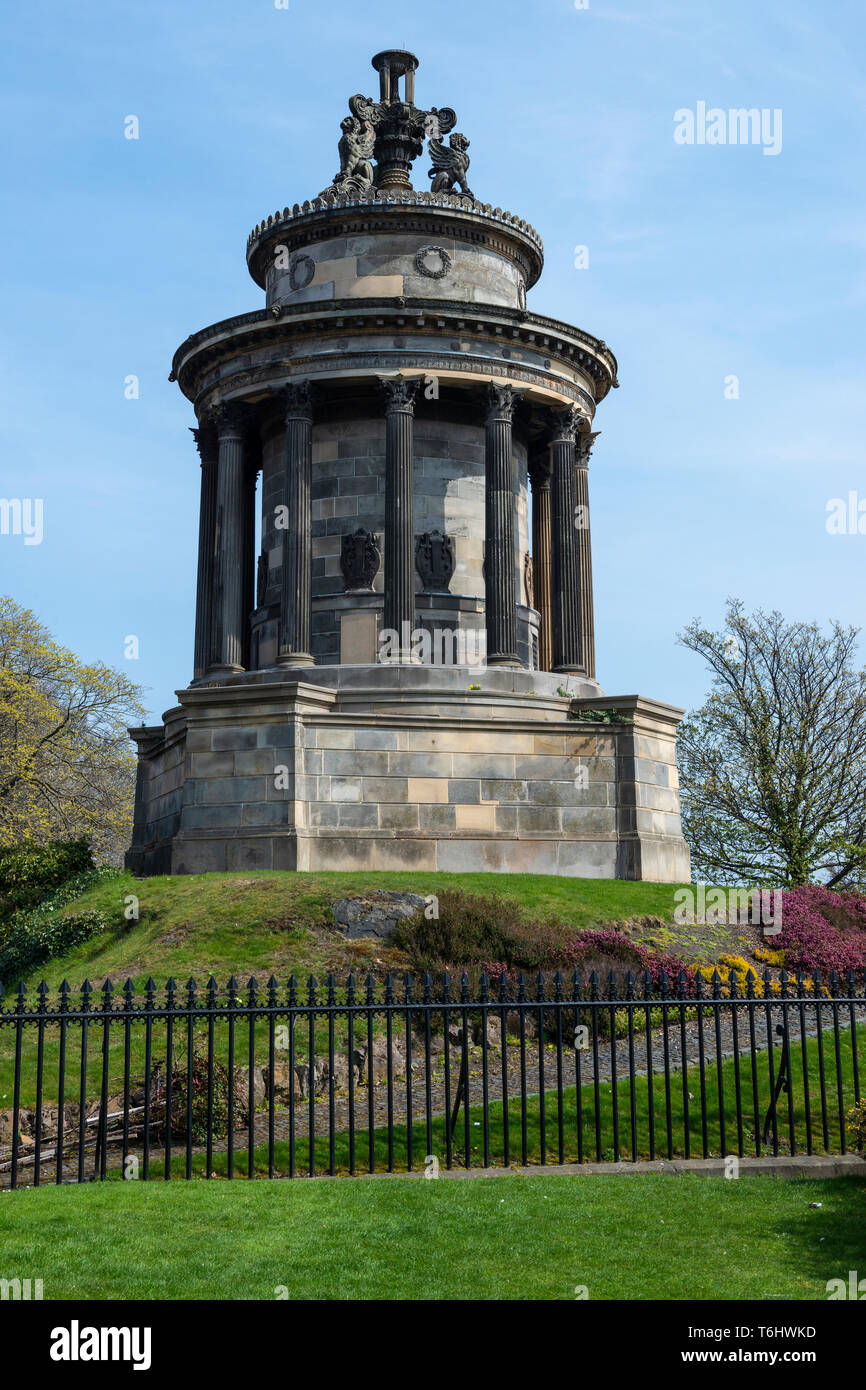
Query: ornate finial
x,y
391,132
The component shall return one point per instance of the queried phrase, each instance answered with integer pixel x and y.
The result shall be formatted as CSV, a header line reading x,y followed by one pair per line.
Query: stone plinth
x,y
375,767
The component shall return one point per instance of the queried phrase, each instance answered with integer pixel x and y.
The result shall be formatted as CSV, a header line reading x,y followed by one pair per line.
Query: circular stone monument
x,y
401,671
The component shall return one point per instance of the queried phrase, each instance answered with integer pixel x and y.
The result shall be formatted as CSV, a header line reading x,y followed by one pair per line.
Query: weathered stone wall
x,y
383,266
159,792
407,768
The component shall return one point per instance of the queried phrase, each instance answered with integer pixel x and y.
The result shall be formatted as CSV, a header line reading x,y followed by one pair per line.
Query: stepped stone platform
x,y
410,767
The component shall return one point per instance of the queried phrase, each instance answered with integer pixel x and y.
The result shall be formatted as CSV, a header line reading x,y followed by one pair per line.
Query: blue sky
x,y
704,262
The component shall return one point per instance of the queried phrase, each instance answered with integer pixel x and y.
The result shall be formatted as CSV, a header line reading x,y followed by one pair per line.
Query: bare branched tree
x,y
773,766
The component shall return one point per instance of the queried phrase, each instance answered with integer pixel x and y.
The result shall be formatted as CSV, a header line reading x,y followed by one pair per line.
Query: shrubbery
x,y
195,1071
29,938
494,936
823,930
29,872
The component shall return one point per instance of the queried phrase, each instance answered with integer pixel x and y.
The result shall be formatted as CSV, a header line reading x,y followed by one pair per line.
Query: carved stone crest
x,y
360,559
435,560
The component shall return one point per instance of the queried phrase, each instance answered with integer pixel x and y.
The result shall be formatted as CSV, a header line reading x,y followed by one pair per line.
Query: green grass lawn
x,y
622,1238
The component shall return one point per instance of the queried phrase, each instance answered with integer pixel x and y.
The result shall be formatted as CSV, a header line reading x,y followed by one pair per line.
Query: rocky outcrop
x,y
376,915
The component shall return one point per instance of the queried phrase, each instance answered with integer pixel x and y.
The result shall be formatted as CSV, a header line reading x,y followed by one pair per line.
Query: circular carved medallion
x,y
431,272
301,271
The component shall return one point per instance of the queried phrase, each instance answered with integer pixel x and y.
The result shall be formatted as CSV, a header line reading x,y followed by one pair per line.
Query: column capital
x,y
400,393
563,424
230,419
540,471
585,442
501,402
296,400
206,441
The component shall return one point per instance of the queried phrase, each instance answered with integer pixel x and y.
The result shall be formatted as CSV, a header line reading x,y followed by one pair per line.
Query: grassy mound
x,y
282,923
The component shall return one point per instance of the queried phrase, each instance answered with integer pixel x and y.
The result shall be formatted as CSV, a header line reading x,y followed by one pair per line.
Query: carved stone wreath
x,y
444,262
301,272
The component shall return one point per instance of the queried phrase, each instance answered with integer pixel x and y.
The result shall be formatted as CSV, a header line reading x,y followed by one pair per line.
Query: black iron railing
x,y
284,1081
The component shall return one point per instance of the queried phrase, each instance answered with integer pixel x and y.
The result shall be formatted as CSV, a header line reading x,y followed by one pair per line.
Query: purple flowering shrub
x,y
823,930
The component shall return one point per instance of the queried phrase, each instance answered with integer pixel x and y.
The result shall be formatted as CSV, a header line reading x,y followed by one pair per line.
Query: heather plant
x,y
823,930
492,936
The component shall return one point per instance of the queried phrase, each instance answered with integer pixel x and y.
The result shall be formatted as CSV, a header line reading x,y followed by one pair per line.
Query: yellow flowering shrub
x,y
729,964
857,1123
769,957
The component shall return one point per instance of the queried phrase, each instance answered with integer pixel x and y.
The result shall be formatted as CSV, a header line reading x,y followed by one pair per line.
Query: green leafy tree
x,y
66,765
773,765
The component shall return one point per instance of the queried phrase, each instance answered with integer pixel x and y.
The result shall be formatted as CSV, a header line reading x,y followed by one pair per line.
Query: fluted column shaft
x,y
399,614
297,548
500,580
584,551
229,547
207,445
539,475
567,648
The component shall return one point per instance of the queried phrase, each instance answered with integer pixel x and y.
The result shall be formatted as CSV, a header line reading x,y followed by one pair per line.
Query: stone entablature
x,y
242,354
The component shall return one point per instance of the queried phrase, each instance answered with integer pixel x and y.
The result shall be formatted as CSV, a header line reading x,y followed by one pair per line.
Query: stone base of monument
x,y
410,767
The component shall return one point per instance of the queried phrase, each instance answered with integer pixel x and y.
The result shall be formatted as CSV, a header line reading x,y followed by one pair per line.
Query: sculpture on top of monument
x,y
381,139
449,165
356,151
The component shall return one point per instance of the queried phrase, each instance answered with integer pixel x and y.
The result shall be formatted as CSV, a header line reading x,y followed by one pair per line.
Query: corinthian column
x,y
229,617
399,615
206,442
584,551
539,477
297,547
567,648
500,581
